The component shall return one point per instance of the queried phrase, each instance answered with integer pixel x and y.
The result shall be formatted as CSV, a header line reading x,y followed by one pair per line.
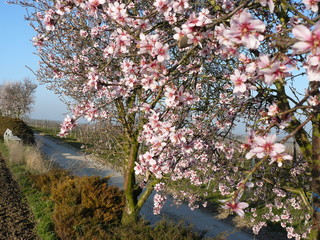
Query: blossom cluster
x,y
178,76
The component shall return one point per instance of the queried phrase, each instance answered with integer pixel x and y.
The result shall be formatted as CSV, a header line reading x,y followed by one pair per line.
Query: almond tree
x,y
17,98
179,76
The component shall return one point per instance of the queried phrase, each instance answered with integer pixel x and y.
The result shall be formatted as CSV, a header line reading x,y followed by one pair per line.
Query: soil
x,y
16,221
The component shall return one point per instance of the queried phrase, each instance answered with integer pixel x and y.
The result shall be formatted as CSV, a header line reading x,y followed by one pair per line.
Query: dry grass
x,y
16,153
28,155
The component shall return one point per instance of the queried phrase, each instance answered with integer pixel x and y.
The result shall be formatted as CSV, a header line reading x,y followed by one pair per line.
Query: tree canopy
x,y
17,98
179,76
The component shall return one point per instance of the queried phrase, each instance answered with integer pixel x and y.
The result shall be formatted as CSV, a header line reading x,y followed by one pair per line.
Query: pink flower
x,y
244,29
313,101
48,21
265,146
180,5
119,13
279,158
272,70
273,110
311,4
83,33
308,41
237,207
270,4
66,126
161,5
96,3
313,68
239,82
62,8
161,51
147,43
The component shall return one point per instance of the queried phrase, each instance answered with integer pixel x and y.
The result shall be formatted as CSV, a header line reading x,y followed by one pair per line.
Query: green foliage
x,y
19,128
4,149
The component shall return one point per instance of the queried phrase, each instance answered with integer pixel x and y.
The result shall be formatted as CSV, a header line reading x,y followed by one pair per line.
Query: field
x,y
16,221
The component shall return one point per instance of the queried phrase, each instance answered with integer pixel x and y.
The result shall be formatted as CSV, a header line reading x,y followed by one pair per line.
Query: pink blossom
x,y
227,5
270,4
313,101
179,34
311,4
179,6
147,43
39,40
239,80
66,126
161,5
244,30
96,3
161,51
83,33
264,146
170,95
313,68
272,70
237,207
149,82
279,158
159,200
118,12
48,21
273,110
62,8
93,79
308,40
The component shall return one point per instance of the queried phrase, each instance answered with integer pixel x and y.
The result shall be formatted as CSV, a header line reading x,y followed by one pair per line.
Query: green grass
x,y
4,150
38,202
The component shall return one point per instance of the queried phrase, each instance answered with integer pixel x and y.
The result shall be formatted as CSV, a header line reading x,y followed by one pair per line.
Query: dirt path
x,y
15,217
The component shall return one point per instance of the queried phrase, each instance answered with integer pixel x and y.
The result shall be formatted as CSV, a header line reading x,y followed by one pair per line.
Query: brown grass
x,y
28,155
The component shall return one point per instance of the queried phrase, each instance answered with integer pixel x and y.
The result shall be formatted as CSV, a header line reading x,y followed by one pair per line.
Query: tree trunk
x,y
316,178
130,212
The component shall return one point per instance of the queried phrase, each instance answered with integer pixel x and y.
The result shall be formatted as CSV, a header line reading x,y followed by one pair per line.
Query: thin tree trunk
x,y
316,179
130,213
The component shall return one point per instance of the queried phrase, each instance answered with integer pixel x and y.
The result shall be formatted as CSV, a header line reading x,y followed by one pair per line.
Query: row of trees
x,y
178,76
17,98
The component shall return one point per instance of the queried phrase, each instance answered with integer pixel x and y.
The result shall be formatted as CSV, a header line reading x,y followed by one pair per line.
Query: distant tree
x,y
17,98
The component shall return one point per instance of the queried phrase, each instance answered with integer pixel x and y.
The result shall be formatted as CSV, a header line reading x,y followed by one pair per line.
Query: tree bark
x,y
130,212
315,178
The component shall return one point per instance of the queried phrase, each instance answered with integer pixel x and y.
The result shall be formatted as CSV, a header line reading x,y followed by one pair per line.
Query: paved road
x,y
70,158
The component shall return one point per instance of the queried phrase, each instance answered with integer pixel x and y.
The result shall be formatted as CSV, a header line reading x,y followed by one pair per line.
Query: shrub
x,y
85,207
88,208
163,230
46,182
19,128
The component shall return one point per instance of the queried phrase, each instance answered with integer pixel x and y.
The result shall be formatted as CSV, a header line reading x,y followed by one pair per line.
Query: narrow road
x,y
70,158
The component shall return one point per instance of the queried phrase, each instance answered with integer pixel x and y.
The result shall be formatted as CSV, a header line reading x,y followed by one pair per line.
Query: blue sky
x,y
16,51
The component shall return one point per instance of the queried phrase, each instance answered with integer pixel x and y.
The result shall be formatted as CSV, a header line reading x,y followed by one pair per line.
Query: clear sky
x,y
16,51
